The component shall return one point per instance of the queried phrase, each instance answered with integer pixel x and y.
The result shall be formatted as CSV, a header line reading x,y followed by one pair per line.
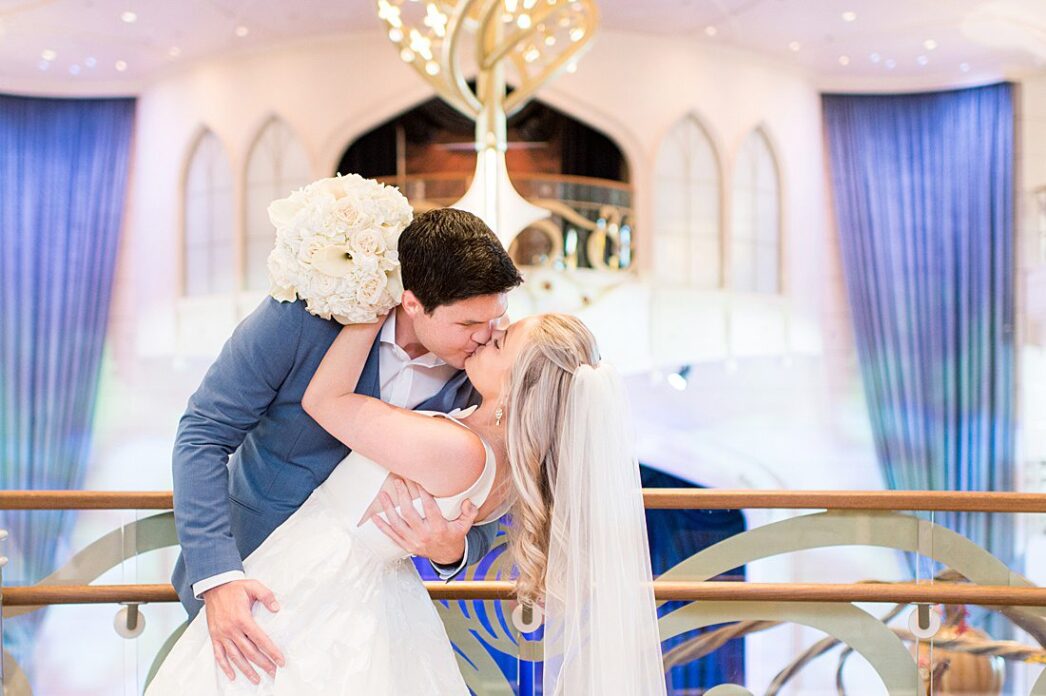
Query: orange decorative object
x,y
959,673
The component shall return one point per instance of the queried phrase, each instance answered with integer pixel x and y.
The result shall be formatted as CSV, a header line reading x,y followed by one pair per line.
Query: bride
x,y
550,443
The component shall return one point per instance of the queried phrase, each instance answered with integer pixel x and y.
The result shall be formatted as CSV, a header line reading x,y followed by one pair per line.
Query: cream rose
x,y
370,286
370,242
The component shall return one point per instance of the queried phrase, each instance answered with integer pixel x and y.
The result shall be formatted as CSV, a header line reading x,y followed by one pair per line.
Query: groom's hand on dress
x,y
431,536
235,636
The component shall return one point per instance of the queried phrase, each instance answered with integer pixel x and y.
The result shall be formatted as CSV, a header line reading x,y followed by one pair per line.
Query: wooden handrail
x,y
890,593
466,177
654,498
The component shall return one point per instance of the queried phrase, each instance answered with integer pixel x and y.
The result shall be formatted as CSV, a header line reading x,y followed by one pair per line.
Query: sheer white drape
x,y
601,634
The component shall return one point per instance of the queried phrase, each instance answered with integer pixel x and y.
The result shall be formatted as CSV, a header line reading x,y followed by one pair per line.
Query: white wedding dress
x,y
355,618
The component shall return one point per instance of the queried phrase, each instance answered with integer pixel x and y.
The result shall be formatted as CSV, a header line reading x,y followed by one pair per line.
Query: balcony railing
x,y
591,223
897,658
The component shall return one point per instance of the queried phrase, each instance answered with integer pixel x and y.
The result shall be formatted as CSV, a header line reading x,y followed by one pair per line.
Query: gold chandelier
x,y
445,41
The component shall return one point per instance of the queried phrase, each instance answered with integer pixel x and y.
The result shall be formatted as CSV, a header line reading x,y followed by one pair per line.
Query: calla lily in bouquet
x,y
335,248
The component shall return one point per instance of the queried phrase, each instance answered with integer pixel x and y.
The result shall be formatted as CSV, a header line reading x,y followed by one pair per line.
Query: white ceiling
x,y
883,48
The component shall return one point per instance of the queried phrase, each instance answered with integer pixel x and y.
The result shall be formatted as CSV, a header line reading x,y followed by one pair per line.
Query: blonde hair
x,y
538,392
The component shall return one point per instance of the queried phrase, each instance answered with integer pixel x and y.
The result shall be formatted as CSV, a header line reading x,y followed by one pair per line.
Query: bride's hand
x,y
431,536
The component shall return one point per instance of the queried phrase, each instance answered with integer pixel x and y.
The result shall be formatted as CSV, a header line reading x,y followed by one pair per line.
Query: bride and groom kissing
x,y
315,459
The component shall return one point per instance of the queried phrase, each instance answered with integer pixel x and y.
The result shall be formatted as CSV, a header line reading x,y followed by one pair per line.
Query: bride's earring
x,y
498,414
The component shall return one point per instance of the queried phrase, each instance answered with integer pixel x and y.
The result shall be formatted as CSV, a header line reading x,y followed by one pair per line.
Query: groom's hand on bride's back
x,y
236,638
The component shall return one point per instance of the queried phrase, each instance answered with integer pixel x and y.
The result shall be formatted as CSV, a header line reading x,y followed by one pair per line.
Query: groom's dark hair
x,y
448,255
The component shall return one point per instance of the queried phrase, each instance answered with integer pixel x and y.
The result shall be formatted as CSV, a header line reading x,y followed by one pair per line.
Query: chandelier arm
x,y
510,41
450,58
515,101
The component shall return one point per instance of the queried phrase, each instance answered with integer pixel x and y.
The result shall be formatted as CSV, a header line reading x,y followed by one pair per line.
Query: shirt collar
x,y
388,331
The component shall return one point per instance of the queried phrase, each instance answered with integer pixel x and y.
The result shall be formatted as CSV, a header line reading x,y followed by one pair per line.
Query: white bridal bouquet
x,y
336,248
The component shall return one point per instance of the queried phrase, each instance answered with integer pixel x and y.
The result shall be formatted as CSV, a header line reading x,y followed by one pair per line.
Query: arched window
x,y
277,165
687,209
755,239
209,246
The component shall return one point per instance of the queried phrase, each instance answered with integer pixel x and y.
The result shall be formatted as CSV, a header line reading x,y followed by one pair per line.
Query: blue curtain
x,y
63,175
923,189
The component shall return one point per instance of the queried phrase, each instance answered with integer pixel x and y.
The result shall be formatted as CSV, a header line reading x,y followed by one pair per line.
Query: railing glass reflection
x,y
880,598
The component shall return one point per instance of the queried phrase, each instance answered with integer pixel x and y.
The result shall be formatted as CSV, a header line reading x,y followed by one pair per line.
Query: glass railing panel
x,y
731,642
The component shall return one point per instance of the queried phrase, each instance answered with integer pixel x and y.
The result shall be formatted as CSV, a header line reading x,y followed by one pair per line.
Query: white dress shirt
x,y
405,382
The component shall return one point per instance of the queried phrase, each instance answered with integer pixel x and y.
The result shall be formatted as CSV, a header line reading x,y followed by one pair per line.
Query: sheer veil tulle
x,y
601,634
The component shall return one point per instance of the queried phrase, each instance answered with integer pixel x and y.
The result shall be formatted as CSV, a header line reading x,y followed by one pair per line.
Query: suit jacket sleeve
x,y
481,538
234,395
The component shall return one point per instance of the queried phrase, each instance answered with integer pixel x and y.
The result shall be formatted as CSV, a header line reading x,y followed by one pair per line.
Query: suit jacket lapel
x,y
369,383
456,393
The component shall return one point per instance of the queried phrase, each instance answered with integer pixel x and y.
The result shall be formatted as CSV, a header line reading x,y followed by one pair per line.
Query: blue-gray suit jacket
x,y
247,456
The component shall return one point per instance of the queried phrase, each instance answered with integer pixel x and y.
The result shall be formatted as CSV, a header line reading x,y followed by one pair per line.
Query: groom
x,y
247,456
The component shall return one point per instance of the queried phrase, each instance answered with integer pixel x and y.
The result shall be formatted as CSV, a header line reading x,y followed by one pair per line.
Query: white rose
x,y
331,186
308,248
368,241
348,213
370,287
